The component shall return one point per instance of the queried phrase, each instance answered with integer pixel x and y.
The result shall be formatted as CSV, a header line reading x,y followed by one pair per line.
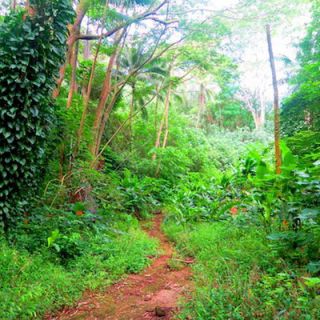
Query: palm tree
x,y
145,81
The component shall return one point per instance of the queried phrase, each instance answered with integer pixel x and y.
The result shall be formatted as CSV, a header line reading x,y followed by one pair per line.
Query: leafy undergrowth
x,y
238,276
57,273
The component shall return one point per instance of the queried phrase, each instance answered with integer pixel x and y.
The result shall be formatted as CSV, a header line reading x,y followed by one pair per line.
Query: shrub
x,y
237,276
55,276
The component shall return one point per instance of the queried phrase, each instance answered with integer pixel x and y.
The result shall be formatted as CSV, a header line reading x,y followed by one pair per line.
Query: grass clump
x,y
42,281
238,276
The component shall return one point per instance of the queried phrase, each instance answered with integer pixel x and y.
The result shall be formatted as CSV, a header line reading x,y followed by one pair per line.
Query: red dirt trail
x,y
152,294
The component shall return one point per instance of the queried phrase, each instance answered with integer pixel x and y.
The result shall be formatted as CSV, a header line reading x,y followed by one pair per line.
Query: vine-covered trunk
x,y
32,49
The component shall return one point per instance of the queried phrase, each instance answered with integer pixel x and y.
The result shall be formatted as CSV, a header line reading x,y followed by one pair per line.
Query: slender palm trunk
x,y
104,121
164,124
201,104
275,104
166,131
73,84
159,133
106,90
262,108
131,114
156,109
87,91
86,100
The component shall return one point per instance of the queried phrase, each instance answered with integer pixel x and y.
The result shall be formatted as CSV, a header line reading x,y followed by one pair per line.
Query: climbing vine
x,y
32,47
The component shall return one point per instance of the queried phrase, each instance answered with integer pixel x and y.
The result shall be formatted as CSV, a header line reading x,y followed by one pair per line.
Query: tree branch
x,y
145,15
124,123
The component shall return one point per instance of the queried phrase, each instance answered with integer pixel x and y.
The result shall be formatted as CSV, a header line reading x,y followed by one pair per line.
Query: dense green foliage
x,y
237,276
255,236
301,109
31,50
153,126
77,255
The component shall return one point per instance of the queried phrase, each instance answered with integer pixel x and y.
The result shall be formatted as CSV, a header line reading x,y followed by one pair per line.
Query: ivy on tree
x,y
32,47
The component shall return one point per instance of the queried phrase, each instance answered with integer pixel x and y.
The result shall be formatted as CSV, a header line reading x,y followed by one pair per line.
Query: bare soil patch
x,y
152,294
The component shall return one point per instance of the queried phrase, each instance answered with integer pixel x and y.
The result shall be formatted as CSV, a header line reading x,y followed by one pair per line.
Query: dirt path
x,y
152,294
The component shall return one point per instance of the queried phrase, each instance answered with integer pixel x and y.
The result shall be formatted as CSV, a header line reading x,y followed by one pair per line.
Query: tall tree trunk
x,y
131,114
104,121
13,4
275,103
201,104
86,49
257,119
62,157
258,114
105,93
159,133
262,108
59,81
87,91
73,83
209,116
166,132
86,56
164,120
156,109
86,100
220,120
73,33
163,124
